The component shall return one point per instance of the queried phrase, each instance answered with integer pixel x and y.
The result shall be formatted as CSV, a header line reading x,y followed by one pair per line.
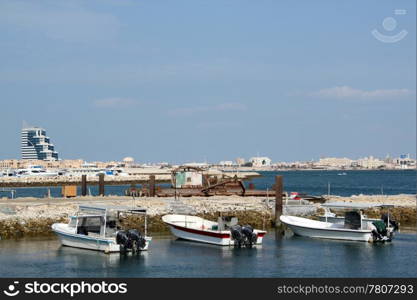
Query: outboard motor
x,y
243,235
394,224
138,241
123,240
130,240
237,235
250,236
380,232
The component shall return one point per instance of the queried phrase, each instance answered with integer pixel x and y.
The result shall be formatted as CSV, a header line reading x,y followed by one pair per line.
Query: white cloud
x,y
347,92
188,111
115,103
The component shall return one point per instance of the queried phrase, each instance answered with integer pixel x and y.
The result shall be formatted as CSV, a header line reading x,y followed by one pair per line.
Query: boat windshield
x,y
73,222
88,225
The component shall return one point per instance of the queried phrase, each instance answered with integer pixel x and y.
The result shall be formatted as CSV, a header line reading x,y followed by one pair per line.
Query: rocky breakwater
x,y
34,217
404,210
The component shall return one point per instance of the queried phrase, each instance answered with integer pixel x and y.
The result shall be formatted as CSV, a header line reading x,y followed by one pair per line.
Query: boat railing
x,y
105,211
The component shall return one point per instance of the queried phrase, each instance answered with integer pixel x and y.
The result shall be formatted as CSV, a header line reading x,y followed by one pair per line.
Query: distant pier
x,y
43,181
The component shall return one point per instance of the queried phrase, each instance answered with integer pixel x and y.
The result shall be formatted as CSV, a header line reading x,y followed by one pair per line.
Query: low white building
x,y
226,163
261,161
405,162
334,162
370,162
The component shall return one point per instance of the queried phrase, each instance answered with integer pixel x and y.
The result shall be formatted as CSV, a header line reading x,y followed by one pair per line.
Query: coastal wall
x,y
46,181
139,178
33,217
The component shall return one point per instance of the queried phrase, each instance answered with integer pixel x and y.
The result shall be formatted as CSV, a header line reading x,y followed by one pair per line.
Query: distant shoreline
x,y
246,169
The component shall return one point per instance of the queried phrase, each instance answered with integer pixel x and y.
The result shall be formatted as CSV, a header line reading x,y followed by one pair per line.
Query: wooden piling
x,y
101,184
83,185
152,186
278,200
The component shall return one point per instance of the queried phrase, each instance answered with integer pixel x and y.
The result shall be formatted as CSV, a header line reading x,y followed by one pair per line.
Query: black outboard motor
x,y
237,235
123,240
130,240
380,233
243,235
392,222
250,236
138,241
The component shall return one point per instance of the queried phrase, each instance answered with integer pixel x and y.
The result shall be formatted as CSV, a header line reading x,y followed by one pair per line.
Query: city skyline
x,y
37,130
208,86
34,141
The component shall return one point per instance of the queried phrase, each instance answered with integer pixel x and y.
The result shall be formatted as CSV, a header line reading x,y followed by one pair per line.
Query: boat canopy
x,y
104,209
355,205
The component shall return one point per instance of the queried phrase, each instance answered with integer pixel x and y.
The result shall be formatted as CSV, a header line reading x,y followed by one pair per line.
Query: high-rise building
x,y
36,145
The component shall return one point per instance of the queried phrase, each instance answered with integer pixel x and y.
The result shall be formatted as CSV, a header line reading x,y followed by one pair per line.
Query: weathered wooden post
x,y
152,186
204,181
175,185
83,185
278,200
101,184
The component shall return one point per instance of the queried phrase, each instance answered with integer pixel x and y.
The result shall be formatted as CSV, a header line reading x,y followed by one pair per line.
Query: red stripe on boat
x,y
261,234
203,232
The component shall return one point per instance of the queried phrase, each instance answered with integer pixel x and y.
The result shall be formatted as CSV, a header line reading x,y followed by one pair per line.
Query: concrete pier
x,y
39,181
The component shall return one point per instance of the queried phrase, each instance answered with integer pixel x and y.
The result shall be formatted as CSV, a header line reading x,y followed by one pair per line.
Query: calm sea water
x,y
310,182
353,183
290,256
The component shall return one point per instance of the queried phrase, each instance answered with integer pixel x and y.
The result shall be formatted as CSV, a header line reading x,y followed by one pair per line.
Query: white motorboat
x,y
331,217
31,171
225,232
98,228
353,227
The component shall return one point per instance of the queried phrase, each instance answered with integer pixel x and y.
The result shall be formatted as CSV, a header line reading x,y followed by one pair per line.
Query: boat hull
x,y
70,239
329,233
201,234
220,238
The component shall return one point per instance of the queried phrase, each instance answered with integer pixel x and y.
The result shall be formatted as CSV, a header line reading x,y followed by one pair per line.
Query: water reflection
x,y
340,258
212,250
286,256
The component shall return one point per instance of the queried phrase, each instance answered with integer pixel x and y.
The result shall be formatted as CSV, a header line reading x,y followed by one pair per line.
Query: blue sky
x,y
182,81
